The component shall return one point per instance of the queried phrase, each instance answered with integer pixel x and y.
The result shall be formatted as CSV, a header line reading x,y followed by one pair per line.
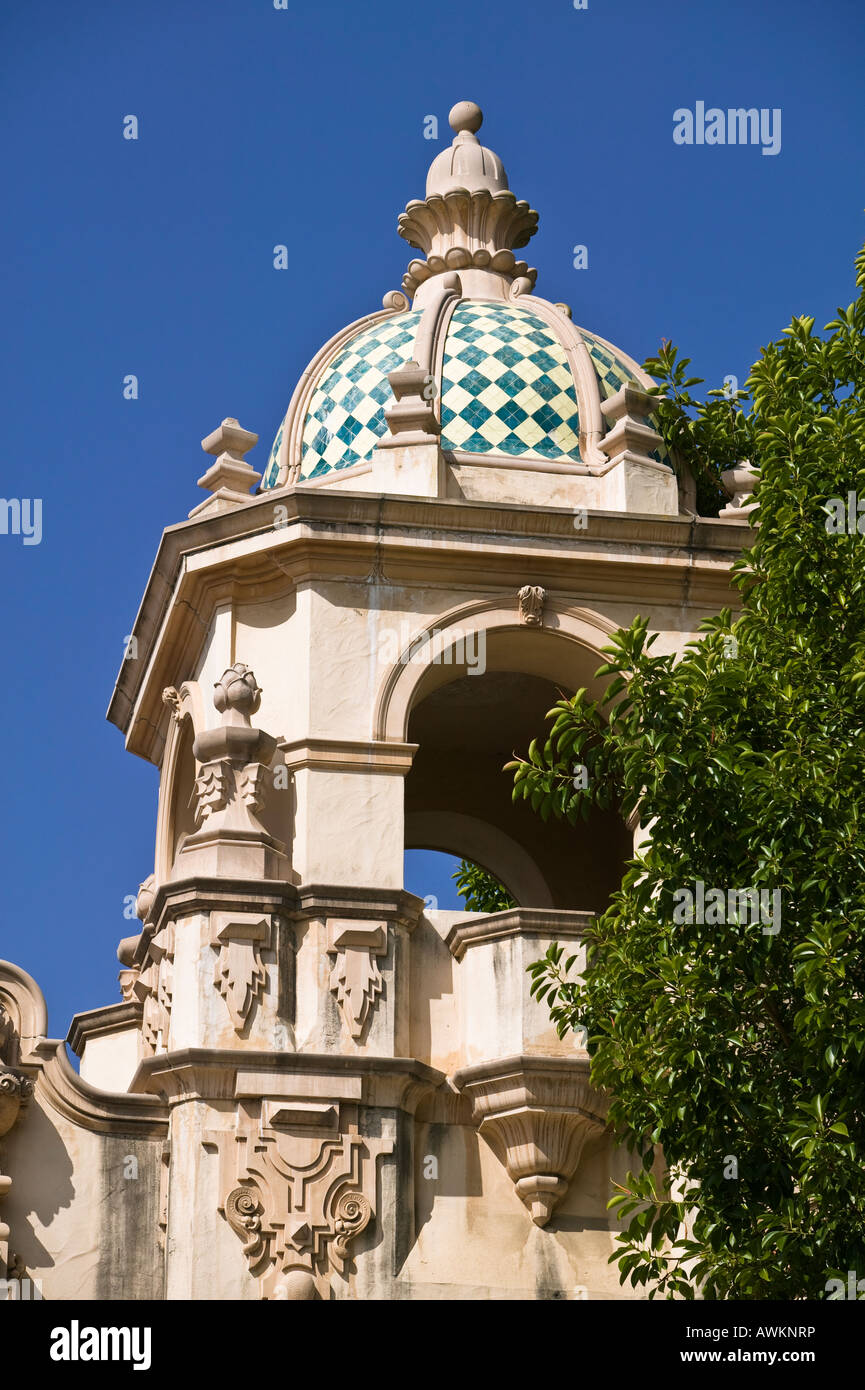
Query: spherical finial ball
x,y
466,115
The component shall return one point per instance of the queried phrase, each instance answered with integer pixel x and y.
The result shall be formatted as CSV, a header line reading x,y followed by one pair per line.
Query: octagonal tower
x,y
330,1088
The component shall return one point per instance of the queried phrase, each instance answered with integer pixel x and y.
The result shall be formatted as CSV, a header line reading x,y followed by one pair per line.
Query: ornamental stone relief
x,y
298,1185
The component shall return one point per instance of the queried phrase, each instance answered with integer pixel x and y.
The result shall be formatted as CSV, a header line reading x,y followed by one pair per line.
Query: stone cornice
x,y
99,1023
214,1074
346,755
104,1112
185,897
518,921
330,533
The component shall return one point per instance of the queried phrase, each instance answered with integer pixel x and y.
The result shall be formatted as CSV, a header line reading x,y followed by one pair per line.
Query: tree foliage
x,y
735,1054
481,892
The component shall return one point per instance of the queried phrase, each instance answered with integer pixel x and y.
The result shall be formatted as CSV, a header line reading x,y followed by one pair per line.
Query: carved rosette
x,y
240,975
536,1113
355,978
299,1188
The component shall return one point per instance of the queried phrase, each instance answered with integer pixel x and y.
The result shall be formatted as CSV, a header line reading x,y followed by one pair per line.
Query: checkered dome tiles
x,y
507,387
345,417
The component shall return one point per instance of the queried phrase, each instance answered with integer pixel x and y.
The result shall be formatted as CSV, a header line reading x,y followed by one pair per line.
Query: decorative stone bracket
x,y
355,978
239,975
536,1114
154,986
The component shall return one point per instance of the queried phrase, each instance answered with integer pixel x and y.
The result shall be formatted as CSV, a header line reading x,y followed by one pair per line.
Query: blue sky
x,y
304,127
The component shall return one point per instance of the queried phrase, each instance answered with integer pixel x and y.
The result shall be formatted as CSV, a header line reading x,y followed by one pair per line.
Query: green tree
x,y
736,1049
481,892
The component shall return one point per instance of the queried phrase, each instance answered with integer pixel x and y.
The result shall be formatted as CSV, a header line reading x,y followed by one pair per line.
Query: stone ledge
x,y
518,921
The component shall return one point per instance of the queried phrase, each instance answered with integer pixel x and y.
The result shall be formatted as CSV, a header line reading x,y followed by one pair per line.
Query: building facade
x,y
316,1084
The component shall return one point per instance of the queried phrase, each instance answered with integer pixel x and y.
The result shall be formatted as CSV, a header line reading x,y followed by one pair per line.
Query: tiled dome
x,y
345,418
483,366
506,385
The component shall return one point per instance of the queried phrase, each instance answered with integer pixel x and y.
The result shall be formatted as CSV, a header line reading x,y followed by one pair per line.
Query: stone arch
x,y
469,717
580,631
484,844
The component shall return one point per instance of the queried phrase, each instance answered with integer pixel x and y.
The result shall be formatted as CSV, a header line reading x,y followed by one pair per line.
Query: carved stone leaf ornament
x,y
240,975
355,978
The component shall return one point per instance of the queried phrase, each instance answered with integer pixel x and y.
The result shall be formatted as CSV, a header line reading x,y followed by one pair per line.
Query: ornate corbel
x,y
154,986
536,1114
15,1091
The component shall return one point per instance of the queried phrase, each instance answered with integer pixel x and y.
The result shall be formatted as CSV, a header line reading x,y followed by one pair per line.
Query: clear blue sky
x,y
304,126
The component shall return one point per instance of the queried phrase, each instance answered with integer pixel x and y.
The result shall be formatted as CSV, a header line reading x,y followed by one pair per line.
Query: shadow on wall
x,y
42,1185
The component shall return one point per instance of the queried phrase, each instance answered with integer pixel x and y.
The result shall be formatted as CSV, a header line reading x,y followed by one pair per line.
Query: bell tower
x,y
337,1090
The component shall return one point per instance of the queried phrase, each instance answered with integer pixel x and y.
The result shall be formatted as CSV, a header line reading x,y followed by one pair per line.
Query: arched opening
x,y
458,800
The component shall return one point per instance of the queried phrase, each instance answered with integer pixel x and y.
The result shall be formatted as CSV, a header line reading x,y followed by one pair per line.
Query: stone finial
x,y
144,900
467,164
739,483
237,694
230,788
469,218
230,478
631,435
